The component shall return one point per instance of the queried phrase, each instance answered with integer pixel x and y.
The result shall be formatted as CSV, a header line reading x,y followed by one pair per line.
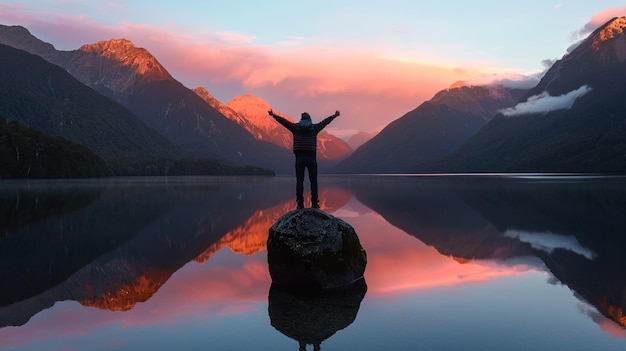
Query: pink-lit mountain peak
x,y
250,105
610,40
128,55
250,112
202,92
614,28
255,109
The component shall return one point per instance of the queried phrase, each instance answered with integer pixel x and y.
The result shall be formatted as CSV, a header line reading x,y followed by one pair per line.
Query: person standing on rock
x,y
304,147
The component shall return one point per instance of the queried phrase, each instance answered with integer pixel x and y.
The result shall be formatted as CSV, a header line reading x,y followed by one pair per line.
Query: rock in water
x,y
309,249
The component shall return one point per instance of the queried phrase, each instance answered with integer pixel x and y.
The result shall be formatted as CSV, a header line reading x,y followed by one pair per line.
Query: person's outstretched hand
x,y
337,113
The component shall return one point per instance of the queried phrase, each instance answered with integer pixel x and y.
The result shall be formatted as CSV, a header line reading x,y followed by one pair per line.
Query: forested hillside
x,y
28,153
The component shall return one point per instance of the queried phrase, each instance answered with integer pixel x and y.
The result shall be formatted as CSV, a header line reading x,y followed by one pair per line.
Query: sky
x,y
372,60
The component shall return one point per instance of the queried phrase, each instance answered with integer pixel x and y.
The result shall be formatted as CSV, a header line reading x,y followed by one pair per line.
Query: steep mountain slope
x,y
28,153
433,130
251,113
44,96
133,77
360,138
139,82
573,121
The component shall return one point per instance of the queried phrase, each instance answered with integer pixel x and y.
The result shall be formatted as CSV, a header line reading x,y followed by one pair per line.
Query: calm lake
x,y
489,262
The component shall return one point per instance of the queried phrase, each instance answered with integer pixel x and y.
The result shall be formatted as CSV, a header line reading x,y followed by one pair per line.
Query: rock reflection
x,y
111,246
312,318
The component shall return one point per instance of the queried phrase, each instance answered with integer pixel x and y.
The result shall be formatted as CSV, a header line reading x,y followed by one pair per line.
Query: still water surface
x,y
493,262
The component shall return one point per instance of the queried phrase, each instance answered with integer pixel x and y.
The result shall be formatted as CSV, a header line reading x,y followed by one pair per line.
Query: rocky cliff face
x,y
115,66
610,40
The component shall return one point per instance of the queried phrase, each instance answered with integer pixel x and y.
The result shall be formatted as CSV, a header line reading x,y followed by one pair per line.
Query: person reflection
x,y
311,318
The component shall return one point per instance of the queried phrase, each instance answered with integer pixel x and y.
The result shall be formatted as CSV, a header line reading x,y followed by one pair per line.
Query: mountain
x,y
431,131
44,96
576,228
112,246
251,113
360,138
574,120
28,153
135,78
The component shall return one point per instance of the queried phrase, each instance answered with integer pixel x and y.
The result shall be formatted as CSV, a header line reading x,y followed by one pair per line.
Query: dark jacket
x,y
304,138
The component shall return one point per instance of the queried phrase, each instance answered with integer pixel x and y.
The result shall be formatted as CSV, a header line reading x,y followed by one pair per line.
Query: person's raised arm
x,y
285,123
327,120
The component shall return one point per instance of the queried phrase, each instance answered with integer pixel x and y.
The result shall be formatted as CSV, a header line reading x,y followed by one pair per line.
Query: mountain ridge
x,y
432,130
160,101
42,95
250,112
586,135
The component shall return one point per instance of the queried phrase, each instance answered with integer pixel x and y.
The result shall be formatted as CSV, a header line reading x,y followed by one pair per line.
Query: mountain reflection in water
x,y
574,225
112,244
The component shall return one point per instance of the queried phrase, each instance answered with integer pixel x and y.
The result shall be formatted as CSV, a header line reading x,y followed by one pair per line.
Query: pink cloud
x,y
370,90
10,7
235,38
599,19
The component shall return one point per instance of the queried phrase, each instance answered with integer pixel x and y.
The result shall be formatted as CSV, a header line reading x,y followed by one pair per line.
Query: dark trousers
x,y
309,162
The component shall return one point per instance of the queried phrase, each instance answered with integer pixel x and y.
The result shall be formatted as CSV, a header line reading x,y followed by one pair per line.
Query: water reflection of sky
x,y
416,299
400,262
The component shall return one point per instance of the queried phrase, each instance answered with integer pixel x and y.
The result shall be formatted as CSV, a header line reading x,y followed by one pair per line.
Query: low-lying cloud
x,y
544,102
548,242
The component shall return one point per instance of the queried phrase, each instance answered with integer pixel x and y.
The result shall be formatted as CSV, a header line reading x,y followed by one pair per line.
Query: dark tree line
x,y
28,153
179,167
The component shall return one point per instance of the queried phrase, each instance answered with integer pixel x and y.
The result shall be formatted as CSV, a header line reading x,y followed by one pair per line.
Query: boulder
x,y
309,249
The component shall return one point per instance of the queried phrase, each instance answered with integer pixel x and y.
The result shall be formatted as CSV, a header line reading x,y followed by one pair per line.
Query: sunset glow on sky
x,y
372,60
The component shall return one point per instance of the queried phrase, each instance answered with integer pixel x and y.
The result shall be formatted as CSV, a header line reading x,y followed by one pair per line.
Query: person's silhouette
x,y
304,147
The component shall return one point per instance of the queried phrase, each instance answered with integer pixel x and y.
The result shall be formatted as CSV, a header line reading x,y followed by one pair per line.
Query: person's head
x,y
305,120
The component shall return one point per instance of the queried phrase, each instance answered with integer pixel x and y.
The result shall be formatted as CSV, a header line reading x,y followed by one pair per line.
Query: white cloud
x,y
548,242
544,102
525,82
512,80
